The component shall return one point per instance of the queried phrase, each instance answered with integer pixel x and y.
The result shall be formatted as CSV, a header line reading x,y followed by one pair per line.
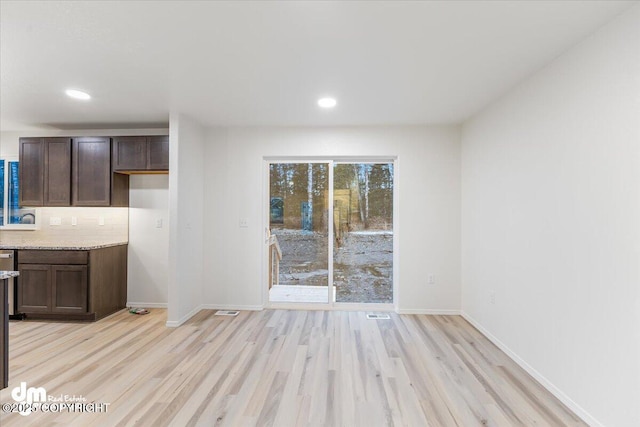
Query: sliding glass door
x,y
299,232
330,223
363,232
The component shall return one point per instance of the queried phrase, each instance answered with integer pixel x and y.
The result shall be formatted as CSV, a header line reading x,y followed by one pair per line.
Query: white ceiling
x,y
266,63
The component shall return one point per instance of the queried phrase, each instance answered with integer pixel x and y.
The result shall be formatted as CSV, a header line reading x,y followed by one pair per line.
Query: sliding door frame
x,y
330,304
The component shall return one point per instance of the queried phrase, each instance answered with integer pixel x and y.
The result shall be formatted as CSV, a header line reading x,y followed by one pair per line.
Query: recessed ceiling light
x,y
327,102
77,94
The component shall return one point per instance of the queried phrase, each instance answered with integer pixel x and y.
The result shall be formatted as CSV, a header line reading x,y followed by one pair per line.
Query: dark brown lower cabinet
x,y
34,293
69,288
72,285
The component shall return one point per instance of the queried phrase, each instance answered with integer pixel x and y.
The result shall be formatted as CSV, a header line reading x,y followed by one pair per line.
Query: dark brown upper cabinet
x,y
57,171
130,153
91,171
45,172
31,172
78,171
137,154
158,149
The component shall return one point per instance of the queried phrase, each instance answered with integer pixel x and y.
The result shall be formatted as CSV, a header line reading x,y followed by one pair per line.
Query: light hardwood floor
x,y
277,368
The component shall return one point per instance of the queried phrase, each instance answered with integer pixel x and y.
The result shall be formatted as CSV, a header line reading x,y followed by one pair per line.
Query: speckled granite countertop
x,y
8,274
67,246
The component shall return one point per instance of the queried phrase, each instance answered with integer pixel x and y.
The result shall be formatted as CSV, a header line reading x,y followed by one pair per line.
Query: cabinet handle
x,y
5,256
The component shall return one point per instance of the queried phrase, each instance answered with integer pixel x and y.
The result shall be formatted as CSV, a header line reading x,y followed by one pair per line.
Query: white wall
x,y
551,224
186,214
428,183
148,252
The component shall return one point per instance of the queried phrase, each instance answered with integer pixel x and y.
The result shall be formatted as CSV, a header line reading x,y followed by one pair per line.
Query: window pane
x,y
17,215
14,215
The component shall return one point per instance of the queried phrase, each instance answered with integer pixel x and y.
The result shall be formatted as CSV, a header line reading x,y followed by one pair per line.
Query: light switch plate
x,y
74,220
101,220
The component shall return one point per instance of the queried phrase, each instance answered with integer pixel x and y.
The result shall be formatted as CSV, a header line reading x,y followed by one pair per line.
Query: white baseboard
x,y
577,409
231,307
176,323
428,311
147,304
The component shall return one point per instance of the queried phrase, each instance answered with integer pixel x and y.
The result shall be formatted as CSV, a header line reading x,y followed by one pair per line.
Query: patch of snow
x,y
372,233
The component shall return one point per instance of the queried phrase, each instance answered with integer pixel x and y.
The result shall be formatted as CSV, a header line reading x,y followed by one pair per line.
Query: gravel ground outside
x,y
363,263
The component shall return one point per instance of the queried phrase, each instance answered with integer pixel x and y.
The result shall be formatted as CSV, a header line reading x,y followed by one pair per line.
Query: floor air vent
x,y
227,313
378,317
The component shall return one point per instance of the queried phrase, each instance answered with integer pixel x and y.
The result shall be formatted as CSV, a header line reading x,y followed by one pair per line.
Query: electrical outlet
x,y
74,220
55,220
100,220
492,297
159,223
431,279
244,223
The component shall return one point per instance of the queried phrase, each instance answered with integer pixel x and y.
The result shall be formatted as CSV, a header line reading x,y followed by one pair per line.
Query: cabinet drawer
x,y
52,257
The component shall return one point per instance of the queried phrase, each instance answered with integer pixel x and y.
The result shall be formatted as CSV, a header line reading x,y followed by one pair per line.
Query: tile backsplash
x,y
86,231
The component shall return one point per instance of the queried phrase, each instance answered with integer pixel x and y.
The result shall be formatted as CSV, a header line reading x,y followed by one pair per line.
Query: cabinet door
x,y
34,288
158,153
130,153
57,171
91,174
31,172
69,288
